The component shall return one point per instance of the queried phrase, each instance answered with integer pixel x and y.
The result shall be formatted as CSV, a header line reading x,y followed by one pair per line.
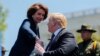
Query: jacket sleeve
x,y
66,46
26,27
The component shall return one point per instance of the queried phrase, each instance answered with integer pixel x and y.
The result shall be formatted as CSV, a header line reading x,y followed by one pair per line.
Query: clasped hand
x,y
39,47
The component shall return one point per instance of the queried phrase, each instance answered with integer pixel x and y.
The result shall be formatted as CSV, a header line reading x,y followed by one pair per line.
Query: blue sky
x,y
18,8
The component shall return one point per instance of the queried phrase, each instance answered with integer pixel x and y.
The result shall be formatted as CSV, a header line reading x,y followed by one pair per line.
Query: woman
x,y
26,37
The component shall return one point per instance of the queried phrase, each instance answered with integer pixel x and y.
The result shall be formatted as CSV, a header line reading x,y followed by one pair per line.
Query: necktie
x,y
49,45
52,37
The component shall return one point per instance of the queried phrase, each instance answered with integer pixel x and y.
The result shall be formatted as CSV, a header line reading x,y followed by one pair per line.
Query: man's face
x,y
51,25
86,35
38,16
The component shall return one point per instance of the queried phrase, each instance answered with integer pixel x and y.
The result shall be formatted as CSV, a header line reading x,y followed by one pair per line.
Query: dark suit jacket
x,y
64,45
26,41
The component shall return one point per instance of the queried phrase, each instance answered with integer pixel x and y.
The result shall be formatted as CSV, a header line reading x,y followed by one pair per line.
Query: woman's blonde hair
x,y
59,19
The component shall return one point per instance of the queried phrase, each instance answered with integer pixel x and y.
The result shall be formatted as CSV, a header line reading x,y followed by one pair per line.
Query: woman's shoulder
x,y
26,20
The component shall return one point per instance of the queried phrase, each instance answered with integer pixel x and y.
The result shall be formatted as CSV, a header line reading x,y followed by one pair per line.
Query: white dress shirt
x,y
56,33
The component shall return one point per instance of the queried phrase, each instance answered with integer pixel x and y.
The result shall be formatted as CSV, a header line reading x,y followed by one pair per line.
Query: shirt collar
x,y
57,31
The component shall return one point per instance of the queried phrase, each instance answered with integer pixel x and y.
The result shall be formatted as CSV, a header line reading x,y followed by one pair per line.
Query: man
x,y
62,42
88,47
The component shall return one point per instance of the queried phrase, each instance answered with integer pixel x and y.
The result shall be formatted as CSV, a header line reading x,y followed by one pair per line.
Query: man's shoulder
x,y
67,33
80,43
94,46
98,44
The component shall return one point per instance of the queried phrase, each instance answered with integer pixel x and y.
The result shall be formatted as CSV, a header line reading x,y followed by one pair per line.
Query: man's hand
x,y
39,48
40,42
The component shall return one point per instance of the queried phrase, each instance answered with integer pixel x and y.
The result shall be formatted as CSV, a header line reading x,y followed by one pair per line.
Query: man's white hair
x,y
60,18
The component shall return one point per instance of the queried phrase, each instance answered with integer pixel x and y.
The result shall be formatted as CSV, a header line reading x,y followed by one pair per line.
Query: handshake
x,y
39,48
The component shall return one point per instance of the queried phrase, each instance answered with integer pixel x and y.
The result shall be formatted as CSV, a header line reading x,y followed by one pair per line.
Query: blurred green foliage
x,y
3,15
78,38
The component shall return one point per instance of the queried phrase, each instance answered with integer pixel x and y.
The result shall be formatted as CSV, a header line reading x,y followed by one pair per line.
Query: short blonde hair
x,y
59,18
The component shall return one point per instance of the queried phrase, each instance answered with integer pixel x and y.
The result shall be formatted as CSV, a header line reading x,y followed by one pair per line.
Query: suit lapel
x,y
59,34
56,38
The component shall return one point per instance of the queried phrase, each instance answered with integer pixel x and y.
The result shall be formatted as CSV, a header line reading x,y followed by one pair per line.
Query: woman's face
x,y
38,16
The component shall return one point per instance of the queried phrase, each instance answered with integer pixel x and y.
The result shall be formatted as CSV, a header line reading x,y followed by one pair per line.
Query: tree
x,y
3,15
